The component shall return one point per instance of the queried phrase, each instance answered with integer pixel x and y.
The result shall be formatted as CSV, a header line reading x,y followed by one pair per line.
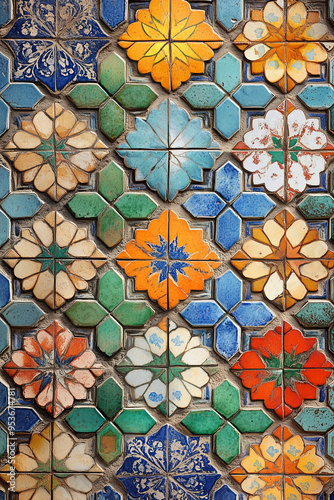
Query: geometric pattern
x,y
166,250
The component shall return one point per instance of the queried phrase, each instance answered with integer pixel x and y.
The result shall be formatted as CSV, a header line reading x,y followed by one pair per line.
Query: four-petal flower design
x,y
167,366
283,368
170,41
54,367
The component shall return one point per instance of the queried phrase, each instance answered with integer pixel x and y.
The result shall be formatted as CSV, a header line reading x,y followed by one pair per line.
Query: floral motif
x,y
288,55
53,466
285,259
168,259
167,366
170,41
283,368
56,42
54,260
54,367
167,464
61,151
169,150
285,173
283,466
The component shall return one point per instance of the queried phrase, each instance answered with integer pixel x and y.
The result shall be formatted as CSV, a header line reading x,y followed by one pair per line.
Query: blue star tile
x,y
169,150
202,313
228,290
204,205
227,338
228,229
64,44
253,205
251,314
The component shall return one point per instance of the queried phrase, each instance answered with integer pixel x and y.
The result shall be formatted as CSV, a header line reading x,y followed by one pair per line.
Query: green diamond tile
x,y
135,421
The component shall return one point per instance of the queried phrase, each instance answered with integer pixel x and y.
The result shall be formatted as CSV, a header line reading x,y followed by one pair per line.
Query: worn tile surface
x,y
166,250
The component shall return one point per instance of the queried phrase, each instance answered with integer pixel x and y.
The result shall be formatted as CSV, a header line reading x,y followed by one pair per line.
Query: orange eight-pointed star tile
x,y
285,260
168,260
170,41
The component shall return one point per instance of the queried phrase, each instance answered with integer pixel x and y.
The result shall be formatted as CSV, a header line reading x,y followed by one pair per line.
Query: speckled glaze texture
x,y
166,250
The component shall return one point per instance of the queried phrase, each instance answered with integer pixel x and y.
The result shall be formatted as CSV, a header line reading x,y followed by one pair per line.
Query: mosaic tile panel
x,y
166,250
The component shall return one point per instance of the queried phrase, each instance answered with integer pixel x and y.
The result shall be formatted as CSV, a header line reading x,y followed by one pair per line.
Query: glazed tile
x,y
168,259
169,150
283,368
166,250
285,260
54,259
124,96
55,152
65,41
170,40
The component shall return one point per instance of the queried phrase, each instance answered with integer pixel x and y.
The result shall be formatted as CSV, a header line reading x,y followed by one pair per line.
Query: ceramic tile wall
x,y
166,246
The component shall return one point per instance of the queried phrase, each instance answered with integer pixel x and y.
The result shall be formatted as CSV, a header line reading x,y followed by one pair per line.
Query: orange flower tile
x,y
170,41
168,260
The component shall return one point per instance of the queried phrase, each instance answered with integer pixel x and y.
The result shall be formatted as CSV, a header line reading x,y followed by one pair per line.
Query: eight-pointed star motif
x,y
168,260
170,41
169,150
55,151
